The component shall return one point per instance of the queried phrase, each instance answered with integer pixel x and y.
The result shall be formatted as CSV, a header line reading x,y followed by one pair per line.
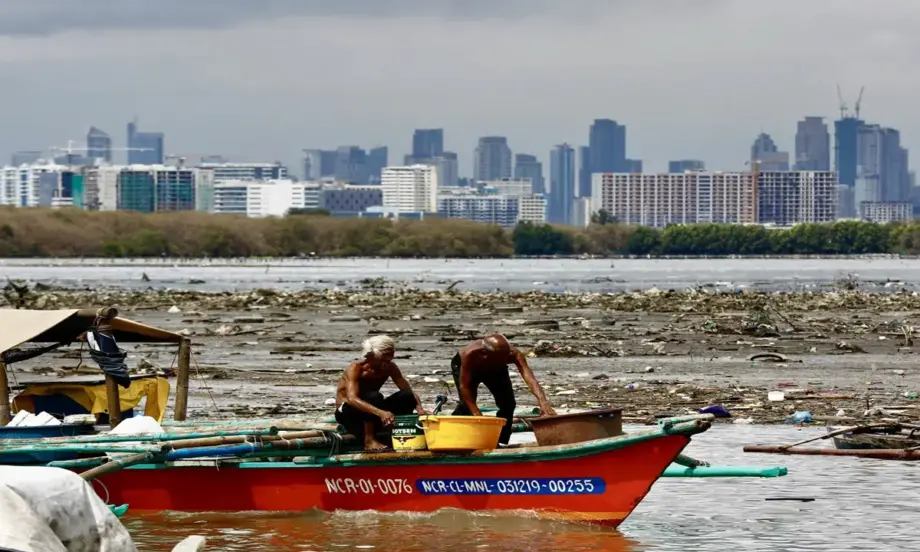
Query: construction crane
x,y
859,101
181,158
843,105
71,148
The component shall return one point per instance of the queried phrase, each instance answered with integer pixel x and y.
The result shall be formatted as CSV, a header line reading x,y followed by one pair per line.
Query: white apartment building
x,y
22,186
503,210
410,189
246,171
885,212
265,198
783,198
532,208
674,198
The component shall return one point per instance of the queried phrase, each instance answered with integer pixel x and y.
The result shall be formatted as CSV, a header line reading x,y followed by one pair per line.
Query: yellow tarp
x,y
93,397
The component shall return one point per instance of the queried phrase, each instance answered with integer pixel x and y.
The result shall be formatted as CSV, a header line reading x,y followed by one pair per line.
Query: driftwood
x,y
882,454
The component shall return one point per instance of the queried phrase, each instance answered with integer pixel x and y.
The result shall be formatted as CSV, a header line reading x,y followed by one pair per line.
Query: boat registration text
x,y
347,485
533,486
484,486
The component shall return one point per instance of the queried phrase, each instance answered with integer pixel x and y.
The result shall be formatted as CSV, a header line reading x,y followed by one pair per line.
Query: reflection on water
x,y
445,530
860,505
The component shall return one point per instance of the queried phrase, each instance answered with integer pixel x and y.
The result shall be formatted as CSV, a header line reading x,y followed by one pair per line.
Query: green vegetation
x,y
75,233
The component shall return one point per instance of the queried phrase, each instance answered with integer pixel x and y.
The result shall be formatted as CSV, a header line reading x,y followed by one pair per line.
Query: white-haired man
x,y
486,361
360,406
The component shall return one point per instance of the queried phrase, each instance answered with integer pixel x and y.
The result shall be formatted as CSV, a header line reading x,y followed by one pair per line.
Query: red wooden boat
x,y
599,481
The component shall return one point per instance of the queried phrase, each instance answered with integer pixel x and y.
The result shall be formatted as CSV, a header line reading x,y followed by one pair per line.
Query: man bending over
x,y
360,406
486,361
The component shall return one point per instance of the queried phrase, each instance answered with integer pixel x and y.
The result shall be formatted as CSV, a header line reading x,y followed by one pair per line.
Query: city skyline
x,y
241,97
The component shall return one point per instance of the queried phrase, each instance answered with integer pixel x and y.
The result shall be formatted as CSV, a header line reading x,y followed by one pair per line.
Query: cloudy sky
x,y
263,79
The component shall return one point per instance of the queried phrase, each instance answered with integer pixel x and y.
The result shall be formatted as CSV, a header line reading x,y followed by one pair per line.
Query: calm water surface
x,y
859,505
553,275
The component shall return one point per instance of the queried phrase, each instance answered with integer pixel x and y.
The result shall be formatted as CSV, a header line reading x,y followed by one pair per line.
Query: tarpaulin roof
x,y
18,326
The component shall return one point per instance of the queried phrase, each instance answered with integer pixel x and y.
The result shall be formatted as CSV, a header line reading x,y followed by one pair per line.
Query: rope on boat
x,y
337,440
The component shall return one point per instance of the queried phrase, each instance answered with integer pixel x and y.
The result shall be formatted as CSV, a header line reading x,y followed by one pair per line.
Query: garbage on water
x,y
717,410
802,417
776,396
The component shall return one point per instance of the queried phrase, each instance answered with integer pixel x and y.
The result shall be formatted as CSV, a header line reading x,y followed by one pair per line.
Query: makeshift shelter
x,y
19,327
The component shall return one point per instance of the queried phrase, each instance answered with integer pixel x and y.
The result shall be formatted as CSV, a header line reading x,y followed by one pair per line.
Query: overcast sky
x,y
263,79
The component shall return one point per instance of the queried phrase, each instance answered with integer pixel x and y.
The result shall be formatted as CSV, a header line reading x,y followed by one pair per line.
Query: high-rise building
x,y
351,165
882,173
765,152
527,166
492,159
427,143
448,168
684,165
144,148
562,184
318,164
584,171
607,142
785,198
98,145
345,164
410,189
377,159
675,198
846,132
812,145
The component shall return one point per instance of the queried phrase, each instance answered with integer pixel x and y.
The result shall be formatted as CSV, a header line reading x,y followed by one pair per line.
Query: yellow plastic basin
x,y
462,433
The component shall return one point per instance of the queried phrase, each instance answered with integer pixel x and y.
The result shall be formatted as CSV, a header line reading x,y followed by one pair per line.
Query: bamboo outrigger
x,y
296,464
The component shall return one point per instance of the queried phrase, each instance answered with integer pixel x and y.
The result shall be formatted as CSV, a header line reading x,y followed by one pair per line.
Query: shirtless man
x,y
359,405
486,361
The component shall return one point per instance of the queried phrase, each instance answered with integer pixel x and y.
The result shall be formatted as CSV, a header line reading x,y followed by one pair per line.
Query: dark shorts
x,y
498,381
398,404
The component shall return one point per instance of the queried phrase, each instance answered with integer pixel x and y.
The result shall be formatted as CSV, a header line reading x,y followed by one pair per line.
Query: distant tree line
x,y
76,233
839,238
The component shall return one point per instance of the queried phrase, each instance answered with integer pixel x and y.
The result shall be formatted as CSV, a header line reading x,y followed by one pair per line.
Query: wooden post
x,y
4,396
113,399
185,359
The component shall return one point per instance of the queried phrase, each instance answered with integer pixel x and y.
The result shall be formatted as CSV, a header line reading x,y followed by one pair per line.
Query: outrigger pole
x,y
184,360
4,396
